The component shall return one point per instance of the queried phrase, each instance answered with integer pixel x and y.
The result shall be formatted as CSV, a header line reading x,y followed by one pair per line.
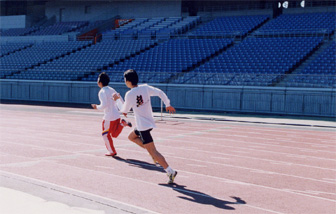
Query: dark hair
x,y
104,79
132,76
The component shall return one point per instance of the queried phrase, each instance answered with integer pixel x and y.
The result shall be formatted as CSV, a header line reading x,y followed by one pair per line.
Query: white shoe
x,y
172,177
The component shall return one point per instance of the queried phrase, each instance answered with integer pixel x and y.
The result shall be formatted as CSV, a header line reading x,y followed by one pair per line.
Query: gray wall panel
x,y
291,101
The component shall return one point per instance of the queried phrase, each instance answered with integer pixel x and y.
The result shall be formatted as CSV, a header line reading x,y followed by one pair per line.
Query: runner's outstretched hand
x,y
170,109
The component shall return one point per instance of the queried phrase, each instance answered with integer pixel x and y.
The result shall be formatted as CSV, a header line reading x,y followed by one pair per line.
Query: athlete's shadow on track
x,y
194,196
140,164
202,198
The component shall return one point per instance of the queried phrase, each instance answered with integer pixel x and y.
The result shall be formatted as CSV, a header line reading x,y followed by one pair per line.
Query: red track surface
x,y
222,167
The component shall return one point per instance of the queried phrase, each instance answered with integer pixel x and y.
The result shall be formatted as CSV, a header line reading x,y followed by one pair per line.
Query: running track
x,y
223,167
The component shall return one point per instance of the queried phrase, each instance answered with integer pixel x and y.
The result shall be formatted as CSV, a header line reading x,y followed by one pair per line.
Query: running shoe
x,y
125,123
111,154
172,177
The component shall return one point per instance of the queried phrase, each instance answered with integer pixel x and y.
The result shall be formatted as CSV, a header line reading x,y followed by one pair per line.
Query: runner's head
x,y
131,78
103,80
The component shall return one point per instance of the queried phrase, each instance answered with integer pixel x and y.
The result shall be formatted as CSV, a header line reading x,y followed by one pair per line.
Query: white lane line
x,y
276,145
261,186
246,168
253,169
281,163
218,178
133,179
248,157
260,150
196,165
329,179
271,138
73,190
213,177
221,158
196,150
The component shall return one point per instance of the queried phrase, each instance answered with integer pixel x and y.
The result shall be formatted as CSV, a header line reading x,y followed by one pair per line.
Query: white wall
x,y
8,22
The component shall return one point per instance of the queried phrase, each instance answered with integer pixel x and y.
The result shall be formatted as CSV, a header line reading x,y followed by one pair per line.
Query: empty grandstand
x,y
249,46
230,26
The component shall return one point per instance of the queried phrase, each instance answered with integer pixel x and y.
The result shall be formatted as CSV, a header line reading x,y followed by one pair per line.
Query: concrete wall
x,y
8,22
75,11
287,101
38,39
309,10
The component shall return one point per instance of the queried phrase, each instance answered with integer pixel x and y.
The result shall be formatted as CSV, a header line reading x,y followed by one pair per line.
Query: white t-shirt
x,y
107,104
138,98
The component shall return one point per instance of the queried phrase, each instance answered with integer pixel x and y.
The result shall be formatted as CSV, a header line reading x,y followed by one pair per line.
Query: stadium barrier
x,y
242,99
323,32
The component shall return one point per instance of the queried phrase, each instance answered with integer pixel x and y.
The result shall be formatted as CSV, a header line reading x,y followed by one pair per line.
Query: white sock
x,y
169,170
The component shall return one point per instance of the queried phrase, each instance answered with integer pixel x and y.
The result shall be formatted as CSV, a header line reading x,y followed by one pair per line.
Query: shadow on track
x,y
141,164
202,198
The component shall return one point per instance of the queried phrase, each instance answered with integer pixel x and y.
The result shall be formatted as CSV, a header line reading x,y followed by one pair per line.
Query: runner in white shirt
x,y
138,98
112,126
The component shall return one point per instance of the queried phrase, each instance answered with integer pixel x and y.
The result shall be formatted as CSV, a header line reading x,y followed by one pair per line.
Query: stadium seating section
x,y
297,23
321,72
14,66
239,25
168,59
291,50
80,63
255,61
159,28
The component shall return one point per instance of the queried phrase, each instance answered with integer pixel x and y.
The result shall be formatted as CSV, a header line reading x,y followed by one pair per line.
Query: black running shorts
x,y
145,136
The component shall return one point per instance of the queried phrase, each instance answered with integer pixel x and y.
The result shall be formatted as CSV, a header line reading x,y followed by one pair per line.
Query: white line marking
x,y
249,169
281,163
221,158
261,186
261,150
75,190
196,165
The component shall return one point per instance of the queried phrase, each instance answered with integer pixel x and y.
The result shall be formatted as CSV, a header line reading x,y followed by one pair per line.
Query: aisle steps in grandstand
x,y
169,58
146,45
297,71
320,72
255,61
11,48
185,75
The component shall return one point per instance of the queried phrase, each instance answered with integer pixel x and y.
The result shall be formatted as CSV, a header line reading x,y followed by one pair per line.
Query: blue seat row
x,y
306,22
230,25
180,52
237,60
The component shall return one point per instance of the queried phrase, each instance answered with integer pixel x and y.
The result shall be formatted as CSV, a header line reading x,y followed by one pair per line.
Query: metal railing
x,y
316,80
325,33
